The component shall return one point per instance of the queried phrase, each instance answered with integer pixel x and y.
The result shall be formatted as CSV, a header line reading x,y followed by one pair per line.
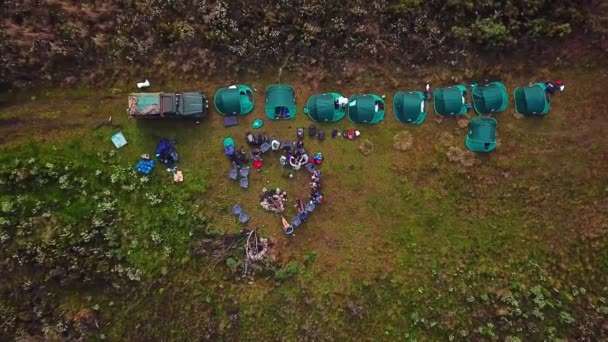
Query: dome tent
x,y
481,136
365,109
532,99
409,107
490,98
234,100
324,108
280,102
450,101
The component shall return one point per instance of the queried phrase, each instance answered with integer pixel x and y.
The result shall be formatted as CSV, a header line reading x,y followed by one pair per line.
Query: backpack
x,y
321,135
312,130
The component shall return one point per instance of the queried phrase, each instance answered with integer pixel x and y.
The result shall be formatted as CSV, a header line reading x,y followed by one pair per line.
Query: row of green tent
x,y
408,106
281,104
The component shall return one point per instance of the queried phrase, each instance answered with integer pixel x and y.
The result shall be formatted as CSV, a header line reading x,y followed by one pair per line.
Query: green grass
x,y
409,245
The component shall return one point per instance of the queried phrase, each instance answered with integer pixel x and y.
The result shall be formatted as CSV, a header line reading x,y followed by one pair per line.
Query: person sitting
x,y
552,87
275,144
241,157
250,138
294,163
428,95
352,134
256,154
316,197
299,206
341,102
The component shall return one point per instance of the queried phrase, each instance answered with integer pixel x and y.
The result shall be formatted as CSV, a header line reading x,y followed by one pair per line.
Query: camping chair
x,y
231,120
244,183
296,221
243,218
310,207
233,174
244,172
237,210
286,144
265,147
310,167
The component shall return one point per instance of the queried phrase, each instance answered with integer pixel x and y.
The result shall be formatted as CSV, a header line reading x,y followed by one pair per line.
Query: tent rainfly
x,y
490,98
324,108
234,100
482,134
280,102
365,109
450,101
409,107
532,99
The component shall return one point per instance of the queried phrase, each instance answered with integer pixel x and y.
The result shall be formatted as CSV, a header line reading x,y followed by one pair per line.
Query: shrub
x,y
178,31
232,263
492,33
288,271
310,257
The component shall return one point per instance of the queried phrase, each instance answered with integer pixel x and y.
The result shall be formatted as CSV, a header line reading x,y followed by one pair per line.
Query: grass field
x,y
429,243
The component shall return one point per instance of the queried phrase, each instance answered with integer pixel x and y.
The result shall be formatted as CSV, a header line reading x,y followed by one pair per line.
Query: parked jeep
x,y
167,105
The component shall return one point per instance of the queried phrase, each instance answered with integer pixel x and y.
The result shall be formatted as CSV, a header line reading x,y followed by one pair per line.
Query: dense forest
x,y
56,40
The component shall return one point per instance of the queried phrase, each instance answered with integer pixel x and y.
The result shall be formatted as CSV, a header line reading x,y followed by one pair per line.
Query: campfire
x,y
273,200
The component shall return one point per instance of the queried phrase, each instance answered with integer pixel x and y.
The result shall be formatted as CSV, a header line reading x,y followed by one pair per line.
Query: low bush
x,y
292,268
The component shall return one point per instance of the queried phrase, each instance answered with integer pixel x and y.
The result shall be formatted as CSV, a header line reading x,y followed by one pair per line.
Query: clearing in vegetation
x,y
414,240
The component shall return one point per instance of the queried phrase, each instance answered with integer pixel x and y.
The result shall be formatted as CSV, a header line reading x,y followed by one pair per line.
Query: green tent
x,y
367,108
490,98
450,101
409,107
280,102
532,99
324,108
234,100
482,134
